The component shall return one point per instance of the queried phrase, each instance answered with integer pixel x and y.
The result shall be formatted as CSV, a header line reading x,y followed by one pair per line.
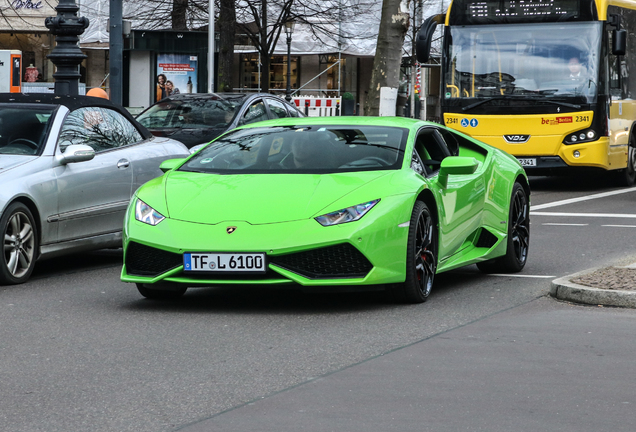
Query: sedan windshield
x,y
23,130
543,61
191,113
302,149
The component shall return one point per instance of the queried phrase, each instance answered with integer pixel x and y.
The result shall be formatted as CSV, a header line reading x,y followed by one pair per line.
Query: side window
x,y
452,143
431,149
255,113
100,128
293,112
277,108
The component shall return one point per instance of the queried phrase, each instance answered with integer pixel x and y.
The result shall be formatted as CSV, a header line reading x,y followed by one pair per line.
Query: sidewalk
x,y
607,286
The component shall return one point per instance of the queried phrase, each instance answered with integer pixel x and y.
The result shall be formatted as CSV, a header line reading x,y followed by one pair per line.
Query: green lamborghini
x,y
338,202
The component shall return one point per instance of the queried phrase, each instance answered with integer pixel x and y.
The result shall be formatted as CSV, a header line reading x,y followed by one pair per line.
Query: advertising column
x,y
176,73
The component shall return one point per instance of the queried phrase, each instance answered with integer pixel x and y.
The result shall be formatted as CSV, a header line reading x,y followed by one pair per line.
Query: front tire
x,y
160,294
421,257
20,244
518,238
627,176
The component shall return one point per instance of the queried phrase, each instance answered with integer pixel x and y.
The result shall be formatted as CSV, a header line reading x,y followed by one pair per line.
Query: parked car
x,y
198,118
68,167
329,201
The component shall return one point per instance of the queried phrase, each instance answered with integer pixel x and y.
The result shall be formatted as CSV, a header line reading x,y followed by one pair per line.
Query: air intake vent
x,y
339,261
144,260
486,239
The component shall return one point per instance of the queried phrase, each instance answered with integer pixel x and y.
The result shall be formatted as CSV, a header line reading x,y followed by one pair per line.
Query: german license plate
x,y
224,262
527,162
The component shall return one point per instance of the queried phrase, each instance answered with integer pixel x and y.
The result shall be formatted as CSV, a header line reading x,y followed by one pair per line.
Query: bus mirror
x,y
425,37
619,42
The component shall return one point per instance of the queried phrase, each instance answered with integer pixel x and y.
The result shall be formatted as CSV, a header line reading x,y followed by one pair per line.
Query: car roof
x,y
403,122
71,102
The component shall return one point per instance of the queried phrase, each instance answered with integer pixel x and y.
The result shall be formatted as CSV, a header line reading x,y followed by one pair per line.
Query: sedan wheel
x,y
20,239
421,257
518,236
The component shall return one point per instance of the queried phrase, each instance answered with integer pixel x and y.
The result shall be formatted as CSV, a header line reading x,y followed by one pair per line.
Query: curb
x,y
564,289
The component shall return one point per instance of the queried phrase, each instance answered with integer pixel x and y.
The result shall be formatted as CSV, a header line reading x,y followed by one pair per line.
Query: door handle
x,y
123,163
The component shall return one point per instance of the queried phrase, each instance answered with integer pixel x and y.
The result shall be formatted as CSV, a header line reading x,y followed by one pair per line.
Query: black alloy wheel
x,y
20,244
421,257
518,240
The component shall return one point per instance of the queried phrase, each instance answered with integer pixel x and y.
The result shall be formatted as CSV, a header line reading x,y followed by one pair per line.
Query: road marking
x,y
564,224
620,226
583,198
522,276
598,215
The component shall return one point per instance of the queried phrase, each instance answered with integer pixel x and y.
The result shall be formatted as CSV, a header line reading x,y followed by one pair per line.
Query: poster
x,y
176,73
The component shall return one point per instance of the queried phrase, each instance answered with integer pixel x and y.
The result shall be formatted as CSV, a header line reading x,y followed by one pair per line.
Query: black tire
x,y
20,244
160,294
518,236
421,257
627,176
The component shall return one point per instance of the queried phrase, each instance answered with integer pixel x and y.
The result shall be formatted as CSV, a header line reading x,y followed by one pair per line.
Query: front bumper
x,y
369,251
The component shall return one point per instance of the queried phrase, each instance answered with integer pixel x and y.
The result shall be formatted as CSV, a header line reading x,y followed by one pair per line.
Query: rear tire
x,y
421,257
518,238
160,294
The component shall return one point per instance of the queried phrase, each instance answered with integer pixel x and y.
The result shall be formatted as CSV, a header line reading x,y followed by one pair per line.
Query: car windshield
x,y
517,61
189,113
302,149
23,130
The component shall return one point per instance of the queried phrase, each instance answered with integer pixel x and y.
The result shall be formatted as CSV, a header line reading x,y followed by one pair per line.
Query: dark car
x,y
198,118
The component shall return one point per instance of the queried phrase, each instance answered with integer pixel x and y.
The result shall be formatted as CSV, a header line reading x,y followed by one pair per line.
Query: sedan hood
x,y
258,198
11,161
189,137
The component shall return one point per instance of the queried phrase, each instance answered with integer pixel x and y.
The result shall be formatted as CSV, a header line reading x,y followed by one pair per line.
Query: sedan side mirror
x,y
457,165
77,153
170,164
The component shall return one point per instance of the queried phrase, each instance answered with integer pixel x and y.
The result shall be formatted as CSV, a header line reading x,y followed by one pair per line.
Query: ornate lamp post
x,y
66,55
289,29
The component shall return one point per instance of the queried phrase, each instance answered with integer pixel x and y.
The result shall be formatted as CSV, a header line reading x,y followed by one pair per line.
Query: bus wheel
x,y
628,175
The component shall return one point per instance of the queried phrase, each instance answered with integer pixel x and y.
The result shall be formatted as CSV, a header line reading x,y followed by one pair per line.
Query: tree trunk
x,y
179,10
388,53
227,30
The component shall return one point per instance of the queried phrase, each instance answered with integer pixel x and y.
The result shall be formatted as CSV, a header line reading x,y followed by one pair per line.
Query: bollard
x,y
337,108
357,109
306,107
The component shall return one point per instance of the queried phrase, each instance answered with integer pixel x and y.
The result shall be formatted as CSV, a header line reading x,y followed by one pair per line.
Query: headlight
x,y
348,214
585,135
146,214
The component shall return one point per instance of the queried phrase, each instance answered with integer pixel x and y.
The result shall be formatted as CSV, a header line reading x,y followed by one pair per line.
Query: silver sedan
x,y
68,167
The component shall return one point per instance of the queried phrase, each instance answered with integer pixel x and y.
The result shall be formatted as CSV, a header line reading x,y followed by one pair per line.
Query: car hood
x,y
260,198
11,161
189,137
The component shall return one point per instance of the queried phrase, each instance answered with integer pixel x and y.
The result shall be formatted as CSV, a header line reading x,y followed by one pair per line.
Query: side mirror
x,y
170,164
456,165
424,37
619,42
77,153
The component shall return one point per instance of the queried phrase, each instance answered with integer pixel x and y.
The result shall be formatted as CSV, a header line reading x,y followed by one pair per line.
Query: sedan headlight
x,y
146,214
348,214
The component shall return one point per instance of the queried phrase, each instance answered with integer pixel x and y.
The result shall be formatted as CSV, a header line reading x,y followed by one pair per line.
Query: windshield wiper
x,y
481,102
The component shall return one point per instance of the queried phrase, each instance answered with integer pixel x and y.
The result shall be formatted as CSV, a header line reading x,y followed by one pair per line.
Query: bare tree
x,y
388,53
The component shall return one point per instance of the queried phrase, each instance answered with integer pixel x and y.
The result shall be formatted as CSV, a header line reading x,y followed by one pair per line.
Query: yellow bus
x,y
548,81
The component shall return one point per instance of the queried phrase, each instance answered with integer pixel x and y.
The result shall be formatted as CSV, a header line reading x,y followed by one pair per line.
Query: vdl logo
x,y
516,139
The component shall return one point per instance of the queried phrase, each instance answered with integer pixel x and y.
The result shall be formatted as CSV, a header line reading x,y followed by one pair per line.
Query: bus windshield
x,y
526,61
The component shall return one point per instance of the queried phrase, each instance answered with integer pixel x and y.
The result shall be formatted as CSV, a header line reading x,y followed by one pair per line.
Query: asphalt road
x,y
83,351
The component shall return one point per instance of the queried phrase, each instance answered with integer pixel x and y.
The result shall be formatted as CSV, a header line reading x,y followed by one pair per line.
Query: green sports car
x,y
339,202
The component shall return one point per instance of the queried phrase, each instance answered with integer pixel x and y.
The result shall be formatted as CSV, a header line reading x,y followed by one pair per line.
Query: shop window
x,y
249,72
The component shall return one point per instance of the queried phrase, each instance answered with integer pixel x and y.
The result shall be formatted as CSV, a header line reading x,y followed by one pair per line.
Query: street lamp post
x,y
289,29
66,55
